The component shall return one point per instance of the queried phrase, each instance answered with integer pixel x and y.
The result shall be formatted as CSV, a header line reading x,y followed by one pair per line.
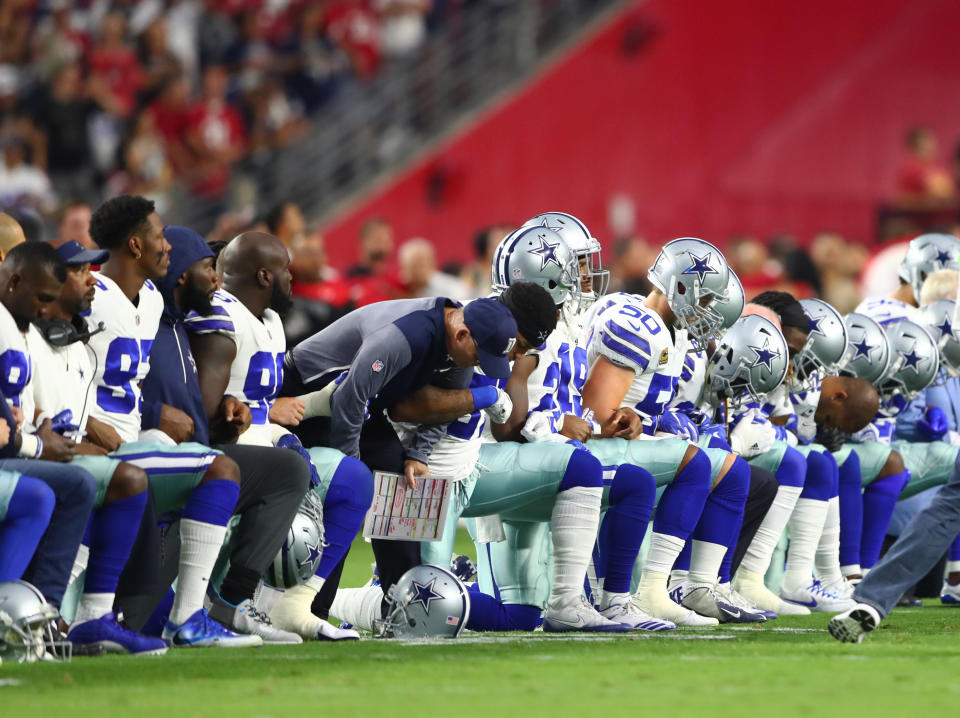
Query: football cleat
x,y
245,618
104,635
852,625
707,601
657,603
580,617
201,631
732,597
817,599
628,613
950,594
326,631
750,586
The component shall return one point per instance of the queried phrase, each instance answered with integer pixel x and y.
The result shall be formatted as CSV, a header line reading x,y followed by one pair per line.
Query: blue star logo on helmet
x,y
424,594
814,326
547,252
545,223
700,266
910,359
945,329
862,348
313,555
765,357
942,257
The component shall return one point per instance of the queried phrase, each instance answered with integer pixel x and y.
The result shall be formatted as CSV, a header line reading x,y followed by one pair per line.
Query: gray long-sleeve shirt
x,y
390,350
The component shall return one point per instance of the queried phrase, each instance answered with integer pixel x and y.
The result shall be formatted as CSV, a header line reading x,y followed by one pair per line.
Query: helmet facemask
x,y
592,273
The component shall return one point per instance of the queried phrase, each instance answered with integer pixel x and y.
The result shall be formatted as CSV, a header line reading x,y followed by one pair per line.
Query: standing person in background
x,y
420,276
923,180
75,223
371,277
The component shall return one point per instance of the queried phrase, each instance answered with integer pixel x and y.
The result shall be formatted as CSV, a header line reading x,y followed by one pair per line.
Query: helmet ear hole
x,y
553,284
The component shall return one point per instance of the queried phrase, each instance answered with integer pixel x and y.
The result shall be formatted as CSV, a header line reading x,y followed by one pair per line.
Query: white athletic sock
x,y
952,566
662,554
759,552
705,560
93,606
199,545
359,607
316,583
573,525
852,570
806,525
828,550
677,578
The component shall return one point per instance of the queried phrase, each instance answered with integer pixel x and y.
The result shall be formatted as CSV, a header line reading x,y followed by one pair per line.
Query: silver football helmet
x,y
736,301
937,318
925,255
593,277
427,602
868,349
826,341
914,363
299,556
538,255
751,359
28,625
693,275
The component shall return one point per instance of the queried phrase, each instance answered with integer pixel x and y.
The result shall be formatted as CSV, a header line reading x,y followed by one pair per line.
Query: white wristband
x,y
31,446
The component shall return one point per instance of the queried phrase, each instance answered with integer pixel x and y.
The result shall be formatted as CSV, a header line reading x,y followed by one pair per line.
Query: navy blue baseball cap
x,y
73,252
495,331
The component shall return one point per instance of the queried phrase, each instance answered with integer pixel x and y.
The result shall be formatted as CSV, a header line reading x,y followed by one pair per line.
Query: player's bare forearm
x,y
517,389
605,388
433,405
214,354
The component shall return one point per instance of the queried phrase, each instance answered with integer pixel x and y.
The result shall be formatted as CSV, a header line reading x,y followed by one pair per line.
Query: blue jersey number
x,y
648,322
116,376
662,388
15,370
264,377
573,373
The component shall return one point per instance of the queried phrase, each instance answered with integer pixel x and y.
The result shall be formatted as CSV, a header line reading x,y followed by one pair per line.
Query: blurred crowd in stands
x,y
99,98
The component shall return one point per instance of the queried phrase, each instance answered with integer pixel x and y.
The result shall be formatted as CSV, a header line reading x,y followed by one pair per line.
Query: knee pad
x,y
849,470
583,469
355,480
630,480
793,468
821,471
736,482
697,470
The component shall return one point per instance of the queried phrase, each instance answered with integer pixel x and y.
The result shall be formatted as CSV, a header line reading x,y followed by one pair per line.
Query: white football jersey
x,y
691,390
66,378
16,367
554,387
630,335
886,311
122,352
257,370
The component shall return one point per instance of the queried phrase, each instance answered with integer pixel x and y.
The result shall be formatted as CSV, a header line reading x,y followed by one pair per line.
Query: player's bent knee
x,y
223,467
127,480
583,469
793,468
893,465
689,455
630,480
356,473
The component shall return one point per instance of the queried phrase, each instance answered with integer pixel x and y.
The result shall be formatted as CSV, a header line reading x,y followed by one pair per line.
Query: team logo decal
x,y
511,343
377,366
424,594
765,357
700,266
861,348
547,252
664,356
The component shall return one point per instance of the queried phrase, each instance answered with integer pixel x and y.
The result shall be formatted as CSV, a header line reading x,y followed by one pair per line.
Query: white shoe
x,y
817,599
950,594
628,613
579,616
843,589
732,597
707,601
292,613
759,595
658,604
852,625
245,618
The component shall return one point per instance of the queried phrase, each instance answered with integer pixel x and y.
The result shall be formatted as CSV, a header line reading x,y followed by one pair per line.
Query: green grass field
x,y
789,667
